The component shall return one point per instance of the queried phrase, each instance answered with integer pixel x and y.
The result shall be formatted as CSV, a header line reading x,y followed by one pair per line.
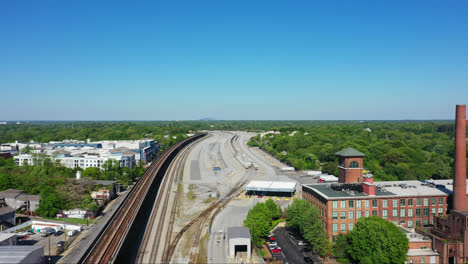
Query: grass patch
x,y
343,260
180,189
72,220
191,195
29,227
275,222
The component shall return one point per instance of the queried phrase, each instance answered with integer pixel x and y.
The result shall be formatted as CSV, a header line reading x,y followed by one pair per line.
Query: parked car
x,y
301,243
276,250
60,243
308,260
21,235
58,233
305,250
273,244
270,239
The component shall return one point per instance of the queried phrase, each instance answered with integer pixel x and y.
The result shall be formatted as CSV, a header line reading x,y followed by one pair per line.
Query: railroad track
x,y
105,248
233,148
154,235
199,223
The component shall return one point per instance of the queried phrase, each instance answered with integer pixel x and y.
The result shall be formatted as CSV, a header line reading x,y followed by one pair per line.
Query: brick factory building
x,y
422,204
406,203
409,204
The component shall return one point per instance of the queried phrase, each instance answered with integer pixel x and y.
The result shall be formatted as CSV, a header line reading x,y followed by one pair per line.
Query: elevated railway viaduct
x,y
121,236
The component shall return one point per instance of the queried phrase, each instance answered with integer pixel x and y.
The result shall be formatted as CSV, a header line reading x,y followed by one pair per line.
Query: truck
x,y
47,231
311,173
288,169
327,178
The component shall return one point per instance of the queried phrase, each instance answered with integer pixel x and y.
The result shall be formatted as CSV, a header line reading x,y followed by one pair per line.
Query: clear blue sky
x,y
165,60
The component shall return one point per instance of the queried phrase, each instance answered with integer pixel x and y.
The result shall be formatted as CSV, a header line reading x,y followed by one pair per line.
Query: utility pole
x,y
49,249
65,230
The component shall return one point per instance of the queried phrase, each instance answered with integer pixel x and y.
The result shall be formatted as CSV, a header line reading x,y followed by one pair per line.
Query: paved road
x,y
290,248
290,251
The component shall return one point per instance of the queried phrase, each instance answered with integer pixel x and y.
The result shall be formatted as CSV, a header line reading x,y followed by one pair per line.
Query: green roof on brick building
x,y
350,152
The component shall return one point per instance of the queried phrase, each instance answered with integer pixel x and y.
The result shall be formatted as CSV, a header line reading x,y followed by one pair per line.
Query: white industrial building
x,y
239,240
87,160
74,154
272,188
24,159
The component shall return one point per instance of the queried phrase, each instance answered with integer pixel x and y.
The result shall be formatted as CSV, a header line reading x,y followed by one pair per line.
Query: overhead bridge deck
x,y
121,236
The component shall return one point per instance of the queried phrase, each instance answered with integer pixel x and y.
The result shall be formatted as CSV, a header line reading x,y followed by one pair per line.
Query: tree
x,y
275,210
27,150
259,223
50,203
92,172
6,181
313,232
340,248
305,218
295,213
330,168
89,204
375,240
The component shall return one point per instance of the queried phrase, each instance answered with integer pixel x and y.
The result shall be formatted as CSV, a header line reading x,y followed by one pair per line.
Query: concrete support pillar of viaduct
x,y
460,199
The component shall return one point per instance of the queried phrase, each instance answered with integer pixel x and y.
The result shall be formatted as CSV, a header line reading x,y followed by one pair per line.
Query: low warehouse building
x,y
19,199
239,240
7,216
21,254
271,188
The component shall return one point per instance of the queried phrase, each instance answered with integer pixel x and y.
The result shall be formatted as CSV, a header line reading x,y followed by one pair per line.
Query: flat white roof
x,y
258,184
271,186
418,188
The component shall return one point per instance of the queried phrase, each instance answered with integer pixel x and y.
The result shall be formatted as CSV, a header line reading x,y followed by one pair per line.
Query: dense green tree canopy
x,y
375,240
394,150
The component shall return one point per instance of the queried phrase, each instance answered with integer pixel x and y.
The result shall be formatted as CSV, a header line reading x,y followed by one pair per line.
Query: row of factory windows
x,y
395,202
351,225
425,212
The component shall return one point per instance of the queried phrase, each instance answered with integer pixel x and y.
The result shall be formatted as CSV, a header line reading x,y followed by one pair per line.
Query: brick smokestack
x,y
460,201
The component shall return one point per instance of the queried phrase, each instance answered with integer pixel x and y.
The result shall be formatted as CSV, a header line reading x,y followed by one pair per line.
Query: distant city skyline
x,y
233,60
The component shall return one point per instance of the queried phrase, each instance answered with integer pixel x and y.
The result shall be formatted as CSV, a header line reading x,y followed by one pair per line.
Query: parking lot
x,y
38,240
291,251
